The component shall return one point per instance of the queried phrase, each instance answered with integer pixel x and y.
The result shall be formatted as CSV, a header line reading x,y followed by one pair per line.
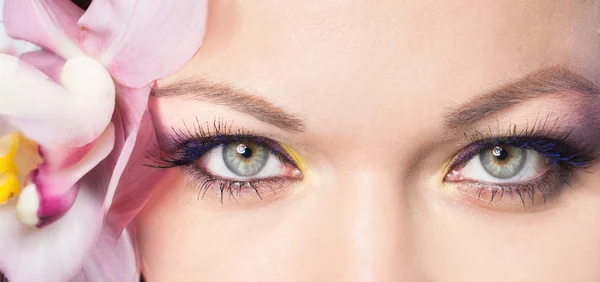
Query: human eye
x,y
520,168
234,164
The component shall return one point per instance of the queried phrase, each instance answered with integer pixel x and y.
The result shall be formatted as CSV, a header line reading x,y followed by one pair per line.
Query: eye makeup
x,y
188,149
562,151
295,156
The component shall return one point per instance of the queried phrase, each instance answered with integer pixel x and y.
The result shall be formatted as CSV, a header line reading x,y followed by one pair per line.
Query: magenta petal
x,y
56,178
51,24
53,207
54,253
143,40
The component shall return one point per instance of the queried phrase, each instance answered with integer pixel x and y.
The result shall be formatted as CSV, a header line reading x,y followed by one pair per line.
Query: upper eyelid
x,y
580,158
177,148
215,141
541,130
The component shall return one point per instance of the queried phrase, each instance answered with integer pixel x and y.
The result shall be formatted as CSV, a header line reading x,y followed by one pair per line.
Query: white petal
x,y
53,253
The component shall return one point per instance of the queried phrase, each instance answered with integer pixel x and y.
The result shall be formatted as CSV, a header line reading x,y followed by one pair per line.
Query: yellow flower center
x,y
9,181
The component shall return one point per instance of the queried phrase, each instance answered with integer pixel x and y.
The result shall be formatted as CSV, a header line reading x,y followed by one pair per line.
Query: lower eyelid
x,y
226,195
502,199
524,197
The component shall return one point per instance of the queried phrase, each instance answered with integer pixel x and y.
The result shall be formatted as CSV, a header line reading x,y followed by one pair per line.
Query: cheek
x,y
558,244
183,238
167,233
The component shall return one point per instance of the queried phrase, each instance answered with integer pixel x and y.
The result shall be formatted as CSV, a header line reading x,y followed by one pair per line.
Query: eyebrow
x,y
548,81
233,98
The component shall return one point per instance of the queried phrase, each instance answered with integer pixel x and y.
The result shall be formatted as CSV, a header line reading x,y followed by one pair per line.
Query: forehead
x,y
334,61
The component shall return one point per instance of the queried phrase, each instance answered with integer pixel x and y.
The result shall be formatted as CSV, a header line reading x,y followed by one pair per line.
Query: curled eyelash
x,y
187,145
542,136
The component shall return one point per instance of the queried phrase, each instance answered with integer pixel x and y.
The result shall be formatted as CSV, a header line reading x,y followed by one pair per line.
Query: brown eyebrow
x,y
233,98
544,82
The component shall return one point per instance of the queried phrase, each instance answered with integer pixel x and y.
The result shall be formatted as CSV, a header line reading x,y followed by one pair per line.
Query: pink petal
x,y
45,111
50,24
131,105
45,61
110,261
56,178
143,40
135,186
11,46
54,253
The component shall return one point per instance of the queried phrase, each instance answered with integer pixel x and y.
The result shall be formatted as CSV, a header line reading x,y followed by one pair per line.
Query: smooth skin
x,y
373,81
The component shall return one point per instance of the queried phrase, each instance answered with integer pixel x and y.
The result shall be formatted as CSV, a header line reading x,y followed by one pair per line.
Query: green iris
x,y
503,161
245,158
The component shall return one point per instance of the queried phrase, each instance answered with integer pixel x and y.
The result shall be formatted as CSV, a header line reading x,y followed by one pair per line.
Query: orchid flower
x,y
71,116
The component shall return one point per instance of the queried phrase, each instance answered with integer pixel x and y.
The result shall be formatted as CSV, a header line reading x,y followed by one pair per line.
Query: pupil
x,y
500,153
247,153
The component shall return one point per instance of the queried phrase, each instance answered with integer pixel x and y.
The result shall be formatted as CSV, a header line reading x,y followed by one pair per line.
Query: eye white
x,y
215,165
534,165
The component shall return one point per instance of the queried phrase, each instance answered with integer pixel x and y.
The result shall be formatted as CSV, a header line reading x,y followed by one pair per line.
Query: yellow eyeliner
x,y
299,161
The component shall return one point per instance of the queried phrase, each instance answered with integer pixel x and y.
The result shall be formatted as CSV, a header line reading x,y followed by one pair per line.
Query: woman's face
x,y
370,141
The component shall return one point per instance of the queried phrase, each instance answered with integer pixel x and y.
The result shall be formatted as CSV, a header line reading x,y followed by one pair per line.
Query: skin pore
x,y
377,99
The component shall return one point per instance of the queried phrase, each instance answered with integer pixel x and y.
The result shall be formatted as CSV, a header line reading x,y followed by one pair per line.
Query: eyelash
x,y
185,147
564,155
